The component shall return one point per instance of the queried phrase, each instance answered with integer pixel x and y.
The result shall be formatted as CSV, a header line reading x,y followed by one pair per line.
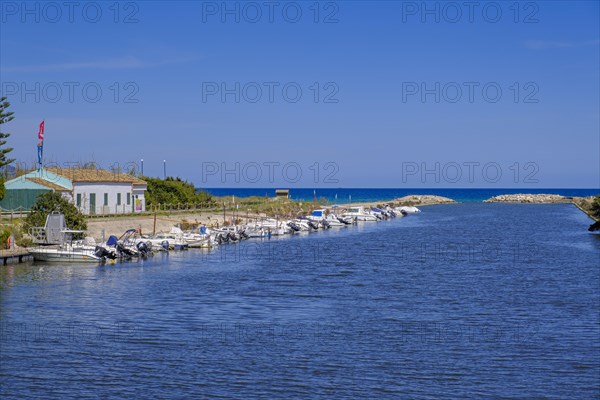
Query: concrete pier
x,y
15,256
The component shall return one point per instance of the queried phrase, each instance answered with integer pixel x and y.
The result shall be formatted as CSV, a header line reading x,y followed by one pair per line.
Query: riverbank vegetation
x,y
592,208
174,191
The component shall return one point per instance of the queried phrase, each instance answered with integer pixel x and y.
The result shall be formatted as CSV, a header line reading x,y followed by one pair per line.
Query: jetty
x,y
15,256
541,198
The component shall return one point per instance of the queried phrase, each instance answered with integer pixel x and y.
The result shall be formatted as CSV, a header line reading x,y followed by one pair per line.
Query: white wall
x,y
85,189
67,195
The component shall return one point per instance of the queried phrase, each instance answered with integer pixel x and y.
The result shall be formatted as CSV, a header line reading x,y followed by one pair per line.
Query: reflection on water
x,y
462,301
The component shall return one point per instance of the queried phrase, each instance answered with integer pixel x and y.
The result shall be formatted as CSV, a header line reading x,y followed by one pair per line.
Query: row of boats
x,y
132,245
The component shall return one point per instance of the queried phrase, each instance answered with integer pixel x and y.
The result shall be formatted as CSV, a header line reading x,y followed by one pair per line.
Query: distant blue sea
x,y
361,195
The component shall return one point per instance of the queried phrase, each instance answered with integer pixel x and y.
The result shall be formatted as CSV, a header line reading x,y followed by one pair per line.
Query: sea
x,y
333,195
461,301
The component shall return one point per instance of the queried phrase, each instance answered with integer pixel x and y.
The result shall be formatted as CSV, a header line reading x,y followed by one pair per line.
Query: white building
x,y
92,191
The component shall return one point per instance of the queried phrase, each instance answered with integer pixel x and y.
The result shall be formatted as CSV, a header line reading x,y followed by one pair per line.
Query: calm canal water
x,y
463,301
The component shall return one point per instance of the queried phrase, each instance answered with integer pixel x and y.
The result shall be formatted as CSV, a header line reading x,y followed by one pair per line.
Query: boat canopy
x,y
317,213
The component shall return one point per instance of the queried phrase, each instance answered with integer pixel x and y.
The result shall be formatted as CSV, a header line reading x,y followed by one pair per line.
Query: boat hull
x,y
64,256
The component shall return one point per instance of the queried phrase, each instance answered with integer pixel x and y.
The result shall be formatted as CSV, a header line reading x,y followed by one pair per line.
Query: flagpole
x,y
41,143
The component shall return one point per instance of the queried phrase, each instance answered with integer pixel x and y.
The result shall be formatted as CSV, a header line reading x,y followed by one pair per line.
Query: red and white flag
x,y
41,131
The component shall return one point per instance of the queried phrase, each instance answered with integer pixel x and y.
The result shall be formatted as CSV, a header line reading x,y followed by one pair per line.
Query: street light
x,y
165,169
142,160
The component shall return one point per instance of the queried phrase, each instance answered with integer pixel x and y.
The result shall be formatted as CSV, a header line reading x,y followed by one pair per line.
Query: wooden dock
x,y
15,256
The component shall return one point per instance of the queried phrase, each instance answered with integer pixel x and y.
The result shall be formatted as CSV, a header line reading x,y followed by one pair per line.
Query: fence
x,y
170,208
229,208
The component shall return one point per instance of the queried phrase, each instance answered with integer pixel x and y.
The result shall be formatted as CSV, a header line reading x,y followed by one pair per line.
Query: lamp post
x,y
142,161
165,169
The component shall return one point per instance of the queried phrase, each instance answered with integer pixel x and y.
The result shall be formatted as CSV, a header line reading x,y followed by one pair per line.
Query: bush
x,y
4,234
50,202
174,191
595,208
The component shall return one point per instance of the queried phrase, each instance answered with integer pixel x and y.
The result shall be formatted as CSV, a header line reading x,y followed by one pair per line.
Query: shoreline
x,y
116,225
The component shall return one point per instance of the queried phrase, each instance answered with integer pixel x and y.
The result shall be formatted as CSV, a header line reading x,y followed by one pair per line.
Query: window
x,y
128,198
78,199
118,199
105,199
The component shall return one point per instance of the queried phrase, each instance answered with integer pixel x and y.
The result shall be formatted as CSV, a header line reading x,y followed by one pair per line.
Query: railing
x,y
38,234
166,208
19,212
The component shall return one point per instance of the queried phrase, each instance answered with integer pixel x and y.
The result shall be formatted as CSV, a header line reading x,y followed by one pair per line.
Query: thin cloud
x,y
562,44
116,63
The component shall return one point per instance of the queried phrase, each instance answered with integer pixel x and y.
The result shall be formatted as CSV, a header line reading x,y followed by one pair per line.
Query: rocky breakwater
x,y
529,198
423,200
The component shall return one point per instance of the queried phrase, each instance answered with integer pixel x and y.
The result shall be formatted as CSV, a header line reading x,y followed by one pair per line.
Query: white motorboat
x,y
404,210
359,214
198,240
305,224
174,240
262,228
377,212
320,218
64,253
67,251
334,220
317,216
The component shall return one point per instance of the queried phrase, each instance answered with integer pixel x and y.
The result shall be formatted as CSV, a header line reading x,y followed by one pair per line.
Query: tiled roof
x,y
48,184
96,175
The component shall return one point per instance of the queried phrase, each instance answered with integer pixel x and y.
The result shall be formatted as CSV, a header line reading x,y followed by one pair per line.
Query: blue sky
x,y
368,125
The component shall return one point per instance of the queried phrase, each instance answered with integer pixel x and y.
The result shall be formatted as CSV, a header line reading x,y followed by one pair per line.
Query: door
x,y
92,203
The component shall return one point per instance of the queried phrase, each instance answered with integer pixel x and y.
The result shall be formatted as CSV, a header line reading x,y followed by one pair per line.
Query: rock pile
x,y
423,199
529,198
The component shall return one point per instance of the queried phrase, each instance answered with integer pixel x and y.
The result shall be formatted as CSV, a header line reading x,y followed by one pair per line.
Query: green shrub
x,y
4,234
595,208
50,202
174,191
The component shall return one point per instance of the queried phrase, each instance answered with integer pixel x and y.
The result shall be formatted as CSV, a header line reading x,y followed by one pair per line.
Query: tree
x,y
50,202
5,116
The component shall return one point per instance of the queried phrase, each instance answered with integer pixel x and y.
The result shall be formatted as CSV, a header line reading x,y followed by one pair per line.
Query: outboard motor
x,y
344,221
325,224
294,226
403,212
312,225
142,248
101,252
165,245
124,251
